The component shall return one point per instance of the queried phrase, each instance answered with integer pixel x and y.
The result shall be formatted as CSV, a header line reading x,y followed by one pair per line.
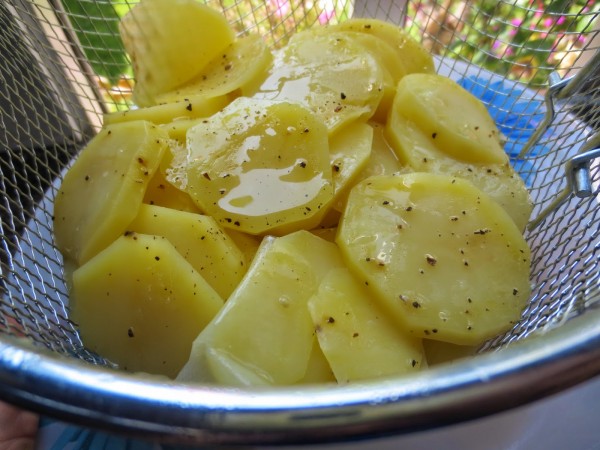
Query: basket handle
x,y
577,169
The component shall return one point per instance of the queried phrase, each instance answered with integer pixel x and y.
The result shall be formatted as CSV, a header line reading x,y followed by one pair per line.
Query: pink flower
x,y
516,22
328,11
548,22
325,17
280,8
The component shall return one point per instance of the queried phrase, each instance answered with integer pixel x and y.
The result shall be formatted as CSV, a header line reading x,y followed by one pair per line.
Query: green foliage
x,y
96,24
520,39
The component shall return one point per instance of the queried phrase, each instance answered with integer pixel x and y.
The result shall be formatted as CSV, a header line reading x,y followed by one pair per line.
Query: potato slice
x,y
349,151
330,74
247,243
318,369
170,42
191,107
103,190
258,167
387,57
264,333
382,161
438,352
423,154
355,336
441,256
177,130
240,69
456,120
200,240
413,57
328,233
162,193
140,304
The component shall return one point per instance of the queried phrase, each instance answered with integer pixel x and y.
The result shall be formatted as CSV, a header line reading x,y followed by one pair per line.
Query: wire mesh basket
x,y
534,64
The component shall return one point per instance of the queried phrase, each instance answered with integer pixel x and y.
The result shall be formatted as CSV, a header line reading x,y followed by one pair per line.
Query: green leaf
x,y
558,6
539,46
96,23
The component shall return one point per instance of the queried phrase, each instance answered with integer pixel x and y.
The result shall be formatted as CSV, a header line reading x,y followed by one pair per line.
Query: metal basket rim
x,y
528,370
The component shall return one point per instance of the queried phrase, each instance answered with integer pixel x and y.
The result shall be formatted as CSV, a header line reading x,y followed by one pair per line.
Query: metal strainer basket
x,y
538,71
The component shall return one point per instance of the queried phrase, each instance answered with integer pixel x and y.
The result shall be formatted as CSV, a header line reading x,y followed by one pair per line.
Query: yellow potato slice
x,y
240,69
413,57
162,193
355,336
441,256
177,130
438,352
349,151
103,190
200,240
247,243
258,167
456,121
330,74
170,42
318,369
385,56
191,107
423,154
264,333
328,233
382,161
140,304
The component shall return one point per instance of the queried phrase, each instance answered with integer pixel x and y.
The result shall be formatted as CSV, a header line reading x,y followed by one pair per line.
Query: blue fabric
x,y
516,116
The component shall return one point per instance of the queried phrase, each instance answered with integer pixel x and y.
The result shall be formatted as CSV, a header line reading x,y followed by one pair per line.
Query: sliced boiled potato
x,y
330,74
456,121
318,369
103,190
200,240
140,304
162,193
191,107
328,233
356,337
385,56
247,243
258,167
264,333
422,153
439,352
240,69
382,161
177,129
445,260
413,57
349,151
170,42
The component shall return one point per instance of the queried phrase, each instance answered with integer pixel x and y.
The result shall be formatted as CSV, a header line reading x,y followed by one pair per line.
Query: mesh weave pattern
x,y
63,66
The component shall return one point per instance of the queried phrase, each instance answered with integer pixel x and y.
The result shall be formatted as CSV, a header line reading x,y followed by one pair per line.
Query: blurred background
x,y
523,40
